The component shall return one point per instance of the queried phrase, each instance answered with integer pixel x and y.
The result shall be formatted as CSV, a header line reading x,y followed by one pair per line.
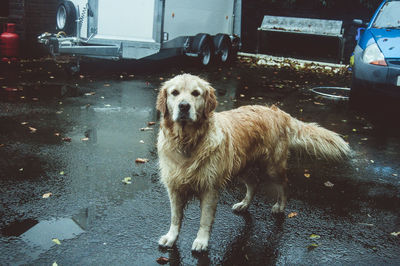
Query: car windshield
x,y
389,16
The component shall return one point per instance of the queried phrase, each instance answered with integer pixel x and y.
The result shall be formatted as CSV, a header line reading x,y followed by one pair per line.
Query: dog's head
x,y
186,99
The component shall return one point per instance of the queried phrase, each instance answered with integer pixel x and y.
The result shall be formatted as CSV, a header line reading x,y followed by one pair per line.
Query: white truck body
x,y
136,29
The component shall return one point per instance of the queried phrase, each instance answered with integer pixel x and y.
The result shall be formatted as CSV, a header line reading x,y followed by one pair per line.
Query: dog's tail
x,y
317,141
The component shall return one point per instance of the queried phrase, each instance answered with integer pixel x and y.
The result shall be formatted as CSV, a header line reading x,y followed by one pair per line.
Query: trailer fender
x,y
203,45
66,17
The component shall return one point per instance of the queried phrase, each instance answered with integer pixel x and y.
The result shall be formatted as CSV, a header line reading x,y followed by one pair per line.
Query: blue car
x,y
376,58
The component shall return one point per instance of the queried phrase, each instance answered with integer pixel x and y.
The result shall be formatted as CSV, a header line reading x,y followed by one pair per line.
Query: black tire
x,y
223,47
204,47
69,10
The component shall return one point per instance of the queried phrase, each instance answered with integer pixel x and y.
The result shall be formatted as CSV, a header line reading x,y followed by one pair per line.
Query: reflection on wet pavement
x,y
88,136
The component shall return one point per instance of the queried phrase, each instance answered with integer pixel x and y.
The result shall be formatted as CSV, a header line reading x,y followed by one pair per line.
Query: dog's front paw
x,y
200,244
167,240
240,206
277,208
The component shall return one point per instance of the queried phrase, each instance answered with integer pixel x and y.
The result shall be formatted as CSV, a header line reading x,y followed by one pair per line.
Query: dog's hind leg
x,y
177,205
251,187
208,206
279,179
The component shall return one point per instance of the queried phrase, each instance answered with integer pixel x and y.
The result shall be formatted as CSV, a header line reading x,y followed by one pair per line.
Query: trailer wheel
x,y
223,46
66,17
204,47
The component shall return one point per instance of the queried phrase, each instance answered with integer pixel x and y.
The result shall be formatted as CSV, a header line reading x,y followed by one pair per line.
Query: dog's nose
x,y
184,106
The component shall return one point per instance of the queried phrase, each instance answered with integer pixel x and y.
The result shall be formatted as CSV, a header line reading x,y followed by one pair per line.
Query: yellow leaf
x,y
127,180
307,175
141,160
292,214
312,246
395,233
314,236
55,240
47,195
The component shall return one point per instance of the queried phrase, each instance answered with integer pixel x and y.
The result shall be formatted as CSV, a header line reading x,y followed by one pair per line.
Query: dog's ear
x,y
162,101
210,101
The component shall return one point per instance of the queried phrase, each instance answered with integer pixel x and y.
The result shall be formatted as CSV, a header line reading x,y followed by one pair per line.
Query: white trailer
x,y
147,29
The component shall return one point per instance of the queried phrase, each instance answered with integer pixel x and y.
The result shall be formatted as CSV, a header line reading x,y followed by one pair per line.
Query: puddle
x,y
17,228
39,235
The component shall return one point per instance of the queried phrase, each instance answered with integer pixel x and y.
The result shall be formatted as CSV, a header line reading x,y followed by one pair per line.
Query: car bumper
x,y
379,78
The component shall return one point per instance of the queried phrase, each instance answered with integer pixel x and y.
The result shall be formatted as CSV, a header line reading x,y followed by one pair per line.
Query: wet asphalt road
x,y
78,138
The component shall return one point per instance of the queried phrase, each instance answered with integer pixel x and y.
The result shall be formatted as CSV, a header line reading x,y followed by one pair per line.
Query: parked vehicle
x,y
147,29
376,58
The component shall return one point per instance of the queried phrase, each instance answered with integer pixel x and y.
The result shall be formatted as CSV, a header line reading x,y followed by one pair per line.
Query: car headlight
x,y
61,17
373,55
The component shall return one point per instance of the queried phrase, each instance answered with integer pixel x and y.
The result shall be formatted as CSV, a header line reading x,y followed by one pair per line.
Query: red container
x,y
9,42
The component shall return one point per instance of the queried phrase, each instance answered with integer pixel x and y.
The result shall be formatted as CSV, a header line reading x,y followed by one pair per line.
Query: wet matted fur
x,y
201,150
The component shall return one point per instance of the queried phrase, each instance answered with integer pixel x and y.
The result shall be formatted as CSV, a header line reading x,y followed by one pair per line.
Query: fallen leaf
x,y
57,134
241,95
1,145
127,180
47,195
90,93
107,85
292,214
354,130
312,246
151,123
364,139
314,236
318,103
146,128
394,174
55,240
67,139
21,169
84,139
59,112
35,99
395,233
141,160
32,129
107,105
307,175
24,123
328,184
162,260
62,173
141,141
372,161
54,264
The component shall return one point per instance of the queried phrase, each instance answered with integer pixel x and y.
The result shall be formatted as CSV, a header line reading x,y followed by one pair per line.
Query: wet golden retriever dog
x,y
200,150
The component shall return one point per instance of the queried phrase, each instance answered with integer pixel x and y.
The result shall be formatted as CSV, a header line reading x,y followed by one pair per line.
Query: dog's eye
x,y
195,93
175,93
